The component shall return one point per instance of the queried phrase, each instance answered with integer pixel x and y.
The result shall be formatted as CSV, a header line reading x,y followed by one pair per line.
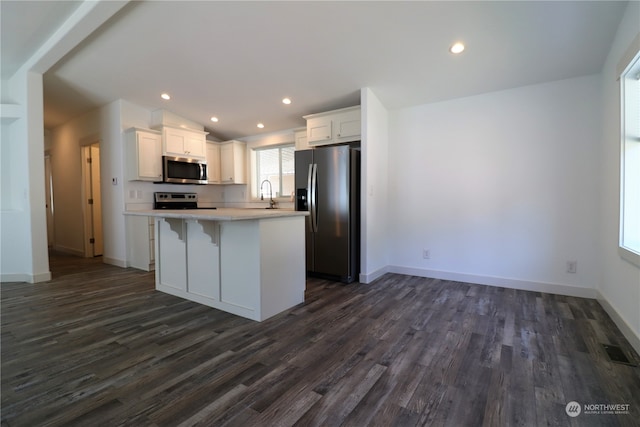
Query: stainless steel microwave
x,y
182,170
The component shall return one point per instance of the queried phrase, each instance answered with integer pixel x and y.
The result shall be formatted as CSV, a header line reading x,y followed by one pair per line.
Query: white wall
x,y
620,285
501,187
374,186
23,250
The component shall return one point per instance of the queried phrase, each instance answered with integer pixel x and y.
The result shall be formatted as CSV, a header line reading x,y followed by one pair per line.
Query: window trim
x,y
254,195
632,66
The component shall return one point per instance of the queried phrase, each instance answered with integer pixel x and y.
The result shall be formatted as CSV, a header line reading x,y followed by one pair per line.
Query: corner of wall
x,y
626,329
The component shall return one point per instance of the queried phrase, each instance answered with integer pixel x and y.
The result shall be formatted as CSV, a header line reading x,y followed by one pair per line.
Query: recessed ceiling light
x,y
456,48
214,119
260,125
286,101
165,96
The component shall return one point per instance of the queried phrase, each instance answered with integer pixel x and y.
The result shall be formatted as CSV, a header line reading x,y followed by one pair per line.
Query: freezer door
x,y
332,241
303,164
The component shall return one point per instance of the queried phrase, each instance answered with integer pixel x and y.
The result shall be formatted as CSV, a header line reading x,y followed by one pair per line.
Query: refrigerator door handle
x,y
314,198
310,195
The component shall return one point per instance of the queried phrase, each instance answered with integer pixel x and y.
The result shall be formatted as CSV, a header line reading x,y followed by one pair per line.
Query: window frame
x,y
630,73
255,175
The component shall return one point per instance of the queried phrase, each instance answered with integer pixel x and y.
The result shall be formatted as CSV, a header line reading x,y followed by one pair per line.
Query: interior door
x,y
96,195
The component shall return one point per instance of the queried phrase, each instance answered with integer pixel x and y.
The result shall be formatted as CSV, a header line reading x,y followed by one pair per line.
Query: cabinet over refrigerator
x,y
328,187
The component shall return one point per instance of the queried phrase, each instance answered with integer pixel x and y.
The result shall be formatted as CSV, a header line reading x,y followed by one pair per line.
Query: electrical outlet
x,y
426,253
572,266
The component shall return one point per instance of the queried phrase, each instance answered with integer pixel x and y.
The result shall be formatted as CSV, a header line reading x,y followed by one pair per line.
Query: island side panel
x,y
171,247
282,264
203,259
240,268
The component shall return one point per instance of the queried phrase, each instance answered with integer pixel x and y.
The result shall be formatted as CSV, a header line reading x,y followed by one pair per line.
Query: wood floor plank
x,y
98,345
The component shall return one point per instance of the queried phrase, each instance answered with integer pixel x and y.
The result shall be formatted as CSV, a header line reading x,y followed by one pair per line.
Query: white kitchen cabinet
x,y
233,157
140,242
213,162
300,138
319,130
143,149
334,127
184,143
189,258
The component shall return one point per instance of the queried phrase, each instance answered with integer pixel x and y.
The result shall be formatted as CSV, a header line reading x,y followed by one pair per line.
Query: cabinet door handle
x,y
328,137
338,135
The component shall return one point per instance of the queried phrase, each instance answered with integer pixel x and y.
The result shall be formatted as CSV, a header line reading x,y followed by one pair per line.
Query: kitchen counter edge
x,y
219,214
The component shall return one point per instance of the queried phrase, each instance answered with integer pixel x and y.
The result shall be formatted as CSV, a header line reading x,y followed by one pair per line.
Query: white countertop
x,y
219,214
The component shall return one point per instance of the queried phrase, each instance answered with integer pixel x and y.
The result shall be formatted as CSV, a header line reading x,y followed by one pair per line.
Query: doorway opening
x,y
92,200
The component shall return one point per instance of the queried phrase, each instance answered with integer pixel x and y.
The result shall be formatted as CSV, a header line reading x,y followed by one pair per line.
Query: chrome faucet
x,y
272,203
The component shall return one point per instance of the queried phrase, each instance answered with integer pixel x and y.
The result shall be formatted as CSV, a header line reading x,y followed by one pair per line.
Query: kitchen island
x,y
249,262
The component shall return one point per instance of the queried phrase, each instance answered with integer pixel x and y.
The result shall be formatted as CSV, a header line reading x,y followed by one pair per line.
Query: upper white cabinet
x,y
183,142
334,127
233,162
300,138
213,162
144,154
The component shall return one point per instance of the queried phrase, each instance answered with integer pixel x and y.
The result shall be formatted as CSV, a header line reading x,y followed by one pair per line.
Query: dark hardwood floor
x,y
99,346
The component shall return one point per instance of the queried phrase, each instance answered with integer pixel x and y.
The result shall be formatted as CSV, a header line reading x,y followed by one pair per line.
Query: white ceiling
x,y
237,60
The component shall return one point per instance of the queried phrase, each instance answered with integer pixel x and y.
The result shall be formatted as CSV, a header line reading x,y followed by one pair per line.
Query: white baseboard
x,y
624,327
14,277
114,261
502,282
370,277
41,277
28,278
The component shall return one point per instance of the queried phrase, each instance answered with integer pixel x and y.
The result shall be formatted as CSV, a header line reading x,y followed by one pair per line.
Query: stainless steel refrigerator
x,y
328,186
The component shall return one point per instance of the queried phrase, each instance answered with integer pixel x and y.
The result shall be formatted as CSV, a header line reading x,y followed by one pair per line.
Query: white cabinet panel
x,y
203,262
300,137
233,162
172,259
140,242
183,143
319,130
239,257
213,163
143,155
333,127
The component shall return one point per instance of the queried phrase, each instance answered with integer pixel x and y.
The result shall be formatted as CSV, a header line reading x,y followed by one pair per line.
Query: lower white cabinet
x,y
141,242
